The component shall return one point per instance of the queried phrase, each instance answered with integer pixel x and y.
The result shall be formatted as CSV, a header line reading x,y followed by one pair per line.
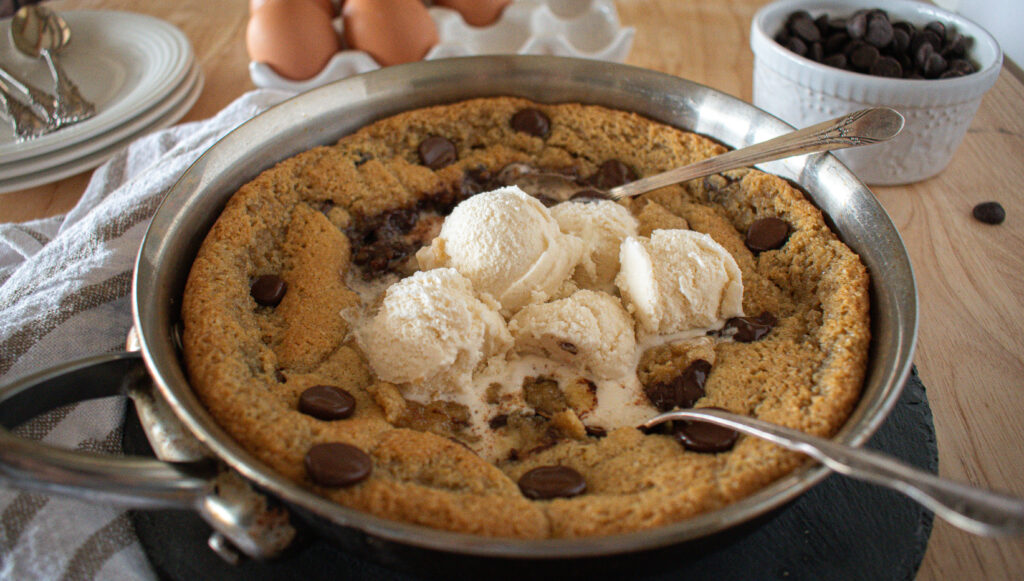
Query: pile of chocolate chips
x,y
869,42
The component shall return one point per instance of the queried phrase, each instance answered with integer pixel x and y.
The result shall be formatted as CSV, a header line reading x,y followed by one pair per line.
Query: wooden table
x,y
971,275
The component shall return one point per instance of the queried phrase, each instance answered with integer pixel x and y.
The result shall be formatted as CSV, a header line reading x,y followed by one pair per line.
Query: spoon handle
x,y
862,127
972,509
26,123
71,105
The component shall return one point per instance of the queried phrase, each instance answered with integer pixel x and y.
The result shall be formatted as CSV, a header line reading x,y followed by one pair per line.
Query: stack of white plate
x,y
139,71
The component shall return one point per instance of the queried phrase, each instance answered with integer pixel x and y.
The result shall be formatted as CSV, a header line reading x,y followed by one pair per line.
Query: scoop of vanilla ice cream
x,y
508,245
602,225
588,330
431,333
679,280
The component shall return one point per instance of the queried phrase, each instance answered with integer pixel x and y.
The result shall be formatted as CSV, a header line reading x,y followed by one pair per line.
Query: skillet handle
x,y
220,496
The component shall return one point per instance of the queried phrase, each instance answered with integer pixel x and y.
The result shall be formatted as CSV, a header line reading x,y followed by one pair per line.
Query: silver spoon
x,y
972,509
26,122
859,128
40,32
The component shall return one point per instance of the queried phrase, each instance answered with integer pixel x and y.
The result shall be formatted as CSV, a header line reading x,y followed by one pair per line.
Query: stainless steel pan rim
x,y
323,115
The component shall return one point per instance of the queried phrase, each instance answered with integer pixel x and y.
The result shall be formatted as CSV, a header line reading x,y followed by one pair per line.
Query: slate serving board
x,y
840,529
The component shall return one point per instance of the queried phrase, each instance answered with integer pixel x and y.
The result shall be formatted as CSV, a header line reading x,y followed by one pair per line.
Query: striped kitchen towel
x,y
64,293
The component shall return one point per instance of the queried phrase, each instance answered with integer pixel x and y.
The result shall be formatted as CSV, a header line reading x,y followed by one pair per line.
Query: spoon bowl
x,y
39,32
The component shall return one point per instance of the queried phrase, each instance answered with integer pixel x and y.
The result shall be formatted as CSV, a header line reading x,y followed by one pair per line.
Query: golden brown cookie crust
x,y
248,363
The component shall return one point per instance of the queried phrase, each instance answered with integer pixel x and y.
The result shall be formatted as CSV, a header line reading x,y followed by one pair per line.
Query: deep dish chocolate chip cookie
x,y
515,414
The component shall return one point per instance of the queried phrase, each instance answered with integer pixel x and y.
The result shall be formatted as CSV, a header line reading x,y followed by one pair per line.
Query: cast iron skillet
x,y
202,475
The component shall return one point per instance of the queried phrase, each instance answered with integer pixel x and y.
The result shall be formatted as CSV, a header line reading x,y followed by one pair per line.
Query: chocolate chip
x,y
836,60
327,402
533,122
437,152
870,42
548,201
610,174
857,25
934,66
596,431
900,40
280,376
864,56
336,464
268,290
767,234
936,27
887,66
552,482
989,213
498,421
879,32
749,329
805,28
683,390
568,347
796,45
704,437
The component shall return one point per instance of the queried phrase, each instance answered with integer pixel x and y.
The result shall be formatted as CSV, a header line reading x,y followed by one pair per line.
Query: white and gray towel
x,y
65,287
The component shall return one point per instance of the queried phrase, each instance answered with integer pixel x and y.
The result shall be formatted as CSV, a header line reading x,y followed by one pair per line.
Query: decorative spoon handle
x,y
26,123
972,509
71,105
859,128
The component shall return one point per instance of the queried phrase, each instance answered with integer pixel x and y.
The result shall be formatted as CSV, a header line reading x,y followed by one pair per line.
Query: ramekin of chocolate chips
x,y
869,41
817,59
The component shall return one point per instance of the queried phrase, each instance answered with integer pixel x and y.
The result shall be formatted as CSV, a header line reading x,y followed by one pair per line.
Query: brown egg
x,y
293,37
476,12
327,5
391,31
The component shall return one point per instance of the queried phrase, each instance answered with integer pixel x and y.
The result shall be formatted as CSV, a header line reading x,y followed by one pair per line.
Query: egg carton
x,y
573,28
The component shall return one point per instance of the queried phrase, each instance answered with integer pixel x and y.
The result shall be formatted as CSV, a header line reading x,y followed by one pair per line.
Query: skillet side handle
x,y
134,482
241,517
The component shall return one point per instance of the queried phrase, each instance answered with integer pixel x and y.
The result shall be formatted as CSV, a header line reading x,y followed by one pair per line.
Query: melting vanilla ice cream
x,y
431,334
508,245
679,280
602,225
494,310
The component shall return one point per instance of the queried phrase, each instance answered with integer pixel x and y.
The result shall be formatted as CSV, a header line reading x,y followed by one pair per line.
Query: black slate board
x,y
840,529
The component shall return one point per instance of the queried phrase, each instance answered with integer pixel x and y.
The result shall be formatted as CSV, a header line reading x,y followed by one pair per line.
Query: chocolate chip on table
x,y
327,402
548,482
749,329
268,290
336,464
683,390
704,437
989,213
767,234
437,152
532,122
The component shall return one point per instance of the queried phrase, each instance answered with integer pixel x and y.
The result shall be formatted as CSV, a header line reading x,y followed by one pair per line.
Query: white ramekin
x,y
938,112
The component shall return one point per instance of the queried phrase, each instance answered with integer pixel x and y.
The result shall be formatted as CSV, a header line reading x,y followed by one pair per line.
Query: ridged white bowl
x,y
938,112
574,28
